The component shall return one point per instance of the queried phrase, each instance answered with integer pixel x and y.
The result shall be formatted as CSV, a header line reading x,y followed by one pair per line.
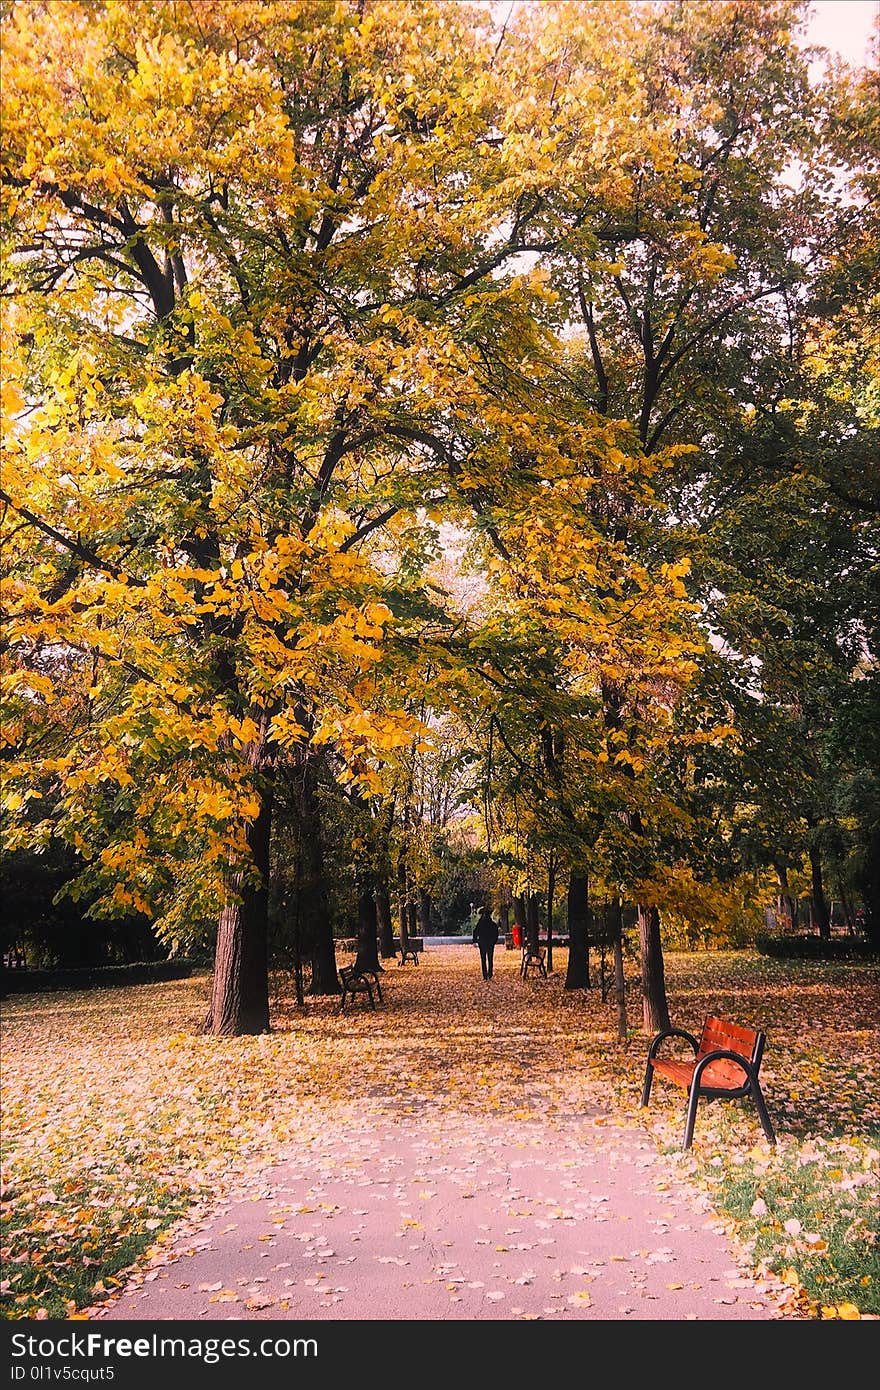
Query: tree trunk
x,y
504,922
846,905
519,918
298,964
615,933
655,1008
786,904
551,892
577,975
821,915
383,920
402,908
532,924
316,928
240,986
424,912
403,926
367,957
868,883
654,1002
413,921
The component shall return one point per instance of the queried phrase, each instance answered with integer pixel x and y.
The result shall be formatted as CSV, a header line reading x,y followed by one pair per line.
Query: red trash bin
x,y
517,936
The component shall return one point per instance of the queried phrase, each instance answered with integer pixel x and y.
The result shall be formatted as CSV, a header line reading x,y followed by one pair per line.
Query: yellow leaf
x,y
849,1312
12,399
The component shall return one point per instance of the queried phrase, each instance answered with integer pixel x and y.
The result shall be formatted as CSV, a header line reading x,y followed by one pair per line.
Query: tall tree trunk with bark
x,y
821,914
786,903
424,913
383,919
868,883
402,907
654,1002
519,918
551,893
577,976
317,929
367,957
298,961
532,923
240,986
504,921
614,928
403,926
655,1009
845,903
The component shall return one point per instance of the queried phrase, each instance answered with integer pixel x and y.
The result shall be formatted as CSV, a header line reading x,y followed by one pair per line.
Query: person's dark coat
x,y
486,930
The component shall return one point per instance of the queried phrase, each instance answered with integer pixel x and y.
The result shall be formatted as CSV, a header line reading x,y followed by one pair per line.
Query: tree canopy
x,y
393,393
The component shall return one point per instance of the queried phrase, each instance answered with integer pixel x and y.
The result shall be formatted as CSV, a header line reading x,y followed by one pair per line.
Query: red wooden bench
x,y
727,1060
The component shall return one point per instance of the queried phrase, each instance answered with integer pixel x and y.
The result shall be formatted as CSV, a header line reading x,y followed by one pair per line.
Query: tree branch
x,y
90,557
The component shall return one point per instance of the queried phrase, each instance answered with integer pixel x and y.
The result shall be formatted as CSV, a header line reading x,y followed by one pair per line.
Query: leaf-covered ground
x,y
119,1116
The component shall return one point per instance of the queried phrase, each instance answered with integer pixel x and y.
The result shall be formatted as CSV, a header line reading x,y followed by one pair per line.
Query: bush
x,y
98,977
816,948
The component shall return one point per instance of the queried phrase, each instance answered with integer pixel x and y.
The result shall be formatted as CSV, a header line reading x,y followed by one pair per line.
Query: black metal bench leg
x,y
693,1097
646,1089
763,1116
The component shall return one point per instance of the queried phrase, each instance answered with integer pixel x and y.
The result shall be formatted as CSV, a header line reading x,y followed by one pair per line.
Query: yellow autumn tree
x,y
255,252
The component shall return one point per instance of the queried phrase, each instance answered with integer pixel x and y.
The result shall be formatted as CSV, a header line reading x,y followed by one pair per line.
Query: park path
x,y
414,1205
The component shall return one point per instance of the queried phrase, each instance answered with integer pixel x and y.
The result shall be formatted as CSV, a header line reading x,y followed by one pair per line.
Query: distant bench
x,y
533,959
727,1060
346,944
359,981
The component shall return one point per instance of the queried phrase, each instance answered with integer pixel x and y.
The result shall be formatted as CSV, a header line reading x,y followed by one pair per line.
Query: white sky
x,y
844,26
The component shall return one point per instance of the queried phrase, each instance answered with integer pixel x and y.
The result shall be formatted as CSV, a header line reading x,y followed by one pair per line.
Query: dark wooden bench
x,y
355,981
409,953
533,960
726,1063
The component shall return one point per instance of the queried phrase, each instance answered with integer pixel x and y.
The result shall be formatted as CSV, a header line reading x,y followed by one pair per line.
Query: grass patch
x,y
805,1215
76,1251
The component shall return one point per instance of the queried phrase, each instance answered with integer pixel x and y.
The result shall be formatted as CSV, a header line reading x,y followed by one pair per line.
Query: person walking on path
x,y
486,937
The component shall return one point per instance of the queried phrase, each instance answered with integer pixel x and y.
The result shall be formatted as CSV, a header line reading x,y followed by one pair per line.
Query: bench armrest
x,y
672,1033
719,1055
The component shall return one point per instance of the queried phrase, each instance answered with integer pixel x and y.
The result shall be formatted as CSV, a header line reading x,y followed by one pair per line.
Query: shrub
x,y
816,948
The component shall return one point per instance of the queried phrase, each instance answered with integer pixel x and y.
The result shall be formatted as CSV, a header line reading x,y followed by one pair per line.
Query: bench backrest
x,y
719,1035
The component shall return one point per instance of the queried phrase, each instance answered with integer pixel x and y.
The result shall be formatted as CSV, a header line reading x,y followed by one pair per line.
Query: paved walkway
x,y
411,1220
463,1163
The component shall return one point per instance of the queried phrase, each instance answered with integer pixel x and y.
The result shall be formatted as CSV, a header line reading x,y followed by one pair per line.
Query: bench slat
x,y
718,1035
723,1075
